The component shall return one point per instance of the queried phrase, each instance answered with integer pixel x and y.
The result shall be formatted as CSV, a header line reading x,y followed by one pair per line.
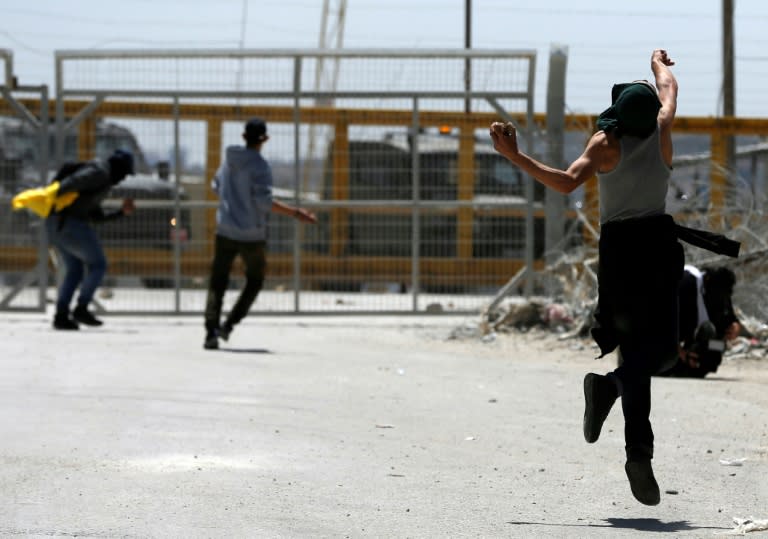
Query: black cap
x,y
255,130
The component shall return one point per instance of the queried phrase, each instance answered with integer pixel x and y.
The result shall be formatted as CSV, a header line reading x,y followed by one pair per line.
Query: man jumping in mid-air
x,y
641,260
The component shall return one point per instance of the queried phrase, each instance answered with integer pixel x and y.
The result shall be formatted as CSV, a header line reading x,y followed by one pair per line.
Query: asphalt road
x,y
353,427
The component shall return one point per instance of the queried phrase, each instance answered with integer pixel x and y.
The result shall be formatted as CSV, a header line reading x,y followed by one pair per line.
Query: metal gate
x,y
24,283
415,208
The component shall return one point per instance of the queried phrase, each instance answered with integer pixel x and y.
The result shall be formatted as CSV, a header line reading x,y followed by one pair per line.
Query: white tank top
x,y
637,186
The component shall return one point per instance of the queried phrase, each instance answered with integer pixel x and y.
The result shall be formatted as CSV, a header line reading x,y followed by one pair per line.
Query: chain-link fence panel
x,y
394,159
416,211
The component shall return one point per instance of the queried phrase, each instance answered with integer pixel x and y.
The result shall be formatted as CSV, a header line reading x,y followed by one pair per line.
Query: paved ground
x,y
351,427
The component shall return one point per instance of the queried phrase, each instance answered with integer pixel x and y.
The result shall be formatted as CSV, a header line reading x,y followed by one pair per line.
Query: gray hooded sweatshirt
x,y
243,184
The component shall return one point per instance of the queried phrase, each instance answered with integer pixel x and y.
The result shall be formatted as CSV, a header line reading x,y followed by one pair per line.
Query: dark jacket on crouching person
x,y
93,182
77,243
707,320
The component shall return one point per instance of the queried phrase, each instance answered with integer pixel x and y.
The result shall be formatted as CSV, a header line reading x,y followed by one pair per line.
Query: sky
x,y
607,42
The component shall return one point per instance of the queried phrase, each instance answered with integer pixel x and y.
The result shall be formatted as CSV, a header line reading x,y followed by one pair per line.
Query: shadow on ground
x,y
640,524
245,350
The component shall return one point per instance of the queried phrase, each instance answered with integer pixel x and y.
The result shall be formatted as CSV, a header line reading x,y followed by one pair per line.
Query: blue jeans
x,y
84,261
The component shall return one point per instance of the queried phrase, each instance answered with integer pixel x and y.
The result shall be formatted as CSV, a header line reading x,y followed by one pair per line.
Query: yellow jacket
x,y
42,200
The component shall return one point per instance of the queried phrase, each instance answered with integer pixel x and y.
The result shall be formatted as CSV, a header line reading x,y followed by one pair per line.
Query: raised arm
x,y
563,181
666,84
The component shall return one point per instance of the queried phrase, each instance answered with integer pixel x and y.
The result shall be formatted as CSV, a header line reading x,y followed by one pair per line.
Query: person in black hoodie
x,y
70,232
640,258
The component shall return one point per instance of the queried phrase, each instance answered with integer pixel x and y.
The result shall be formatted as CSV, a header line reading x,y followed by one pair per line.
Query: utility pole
x,y
468,47
555,204
729,100
729,108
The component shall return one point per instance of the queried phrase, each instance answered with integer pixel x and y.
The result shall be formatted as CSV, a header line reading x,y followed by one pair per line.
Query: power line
x,y
24,45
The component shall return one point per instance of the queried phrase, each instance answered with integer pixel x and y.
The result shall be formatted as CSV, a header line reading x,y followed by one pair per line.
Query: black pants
x,y
254,257
641,264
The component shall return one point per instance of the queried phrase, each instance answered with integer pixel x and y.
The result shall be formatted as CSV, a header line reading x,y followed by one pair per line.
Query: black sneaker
x,y
63,321
225,330
211,341
599,395
81,314
642,482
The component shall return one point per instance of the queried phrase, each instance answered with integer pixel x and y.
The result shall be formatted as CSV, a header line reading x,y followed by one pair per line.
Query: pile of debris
x,y
569,289
571,284
753,344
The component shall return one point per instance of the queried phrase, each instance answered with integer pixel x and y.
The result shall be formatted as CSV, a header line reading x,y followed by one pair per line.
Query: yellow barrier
x,y
196,258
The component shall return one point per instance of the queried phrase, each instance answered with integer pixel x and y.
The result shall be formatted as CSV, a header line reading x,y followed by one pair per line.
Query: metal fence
x,y
23,279
417,213
415,207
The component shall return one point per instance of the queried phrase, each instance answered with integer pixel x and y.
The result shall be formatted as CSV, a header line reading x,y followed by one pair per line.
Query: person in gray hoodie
x,y
243,184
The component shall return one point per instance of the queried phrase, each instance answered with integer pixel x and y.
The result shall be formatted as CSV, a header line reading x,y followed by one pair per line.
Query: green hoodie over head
x,y
634,109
